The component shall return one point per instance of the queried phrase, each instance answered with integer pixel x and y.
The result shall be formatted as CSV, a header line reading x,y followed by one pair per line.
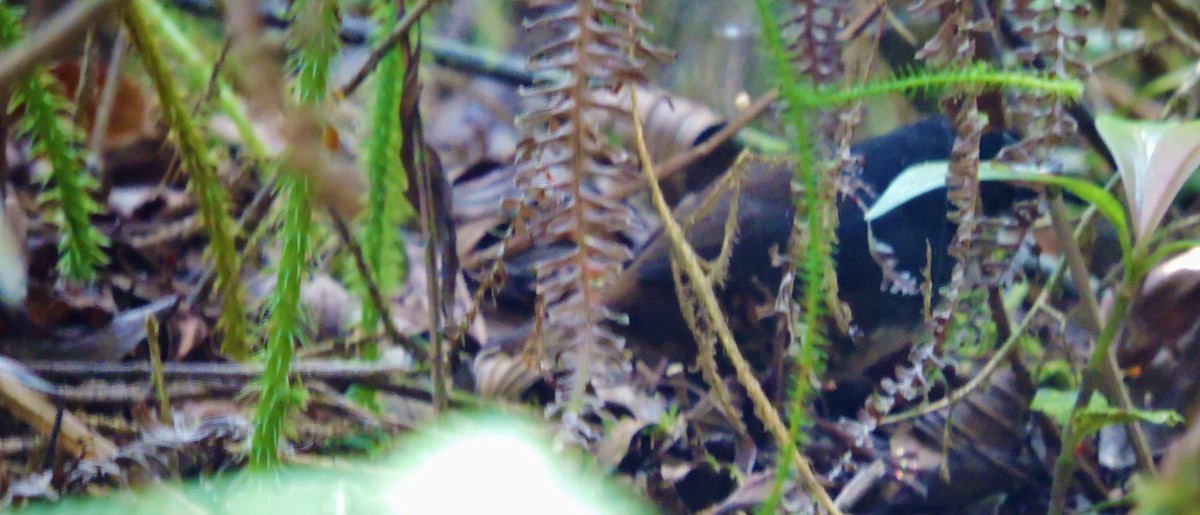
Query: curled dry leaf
x,y
1165,311
131,115
411,313
501,375
326,304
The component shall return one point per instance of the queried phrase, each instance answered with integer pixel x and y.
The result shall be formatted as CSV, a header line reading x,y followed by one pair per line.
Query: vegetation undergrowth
x,y
203,181
803,101
386,207
69,188
315,45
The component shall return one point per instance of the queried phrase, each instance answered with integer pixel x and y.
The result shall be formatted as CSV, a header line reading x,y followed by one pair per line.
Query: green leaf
x,y
365,396
1059,404
1154,160
1090,420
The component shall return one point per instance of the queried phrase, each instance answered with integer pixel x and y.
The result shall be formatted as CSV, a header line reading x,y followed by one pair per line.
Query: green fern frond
x,y
316,44
801,98
69,188
10,25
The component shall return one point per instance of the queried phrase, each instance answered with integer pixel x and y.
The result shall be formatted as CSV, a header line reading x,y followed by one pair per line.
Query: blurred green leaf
x,y
1058,404
478,463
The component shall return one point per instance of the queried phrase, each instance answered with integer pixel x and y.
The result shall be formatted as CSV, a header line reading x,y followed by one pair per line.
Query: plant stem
x,y
275,396
1100,367
202,181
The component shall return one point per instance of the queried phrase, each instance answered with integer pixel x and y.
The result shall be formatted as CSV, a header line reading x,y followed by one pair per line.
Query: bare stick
x,y
393,38
381,307
62,30
108,96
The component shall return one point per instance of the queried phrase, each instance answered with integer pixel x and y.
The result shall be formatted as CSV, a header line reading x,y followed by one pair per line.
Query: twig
x,y
61,30
156,372
1100,367
306,369
4,172
704,291
381,307
393,38
83,88
988,368
432,255
107,97
33,408
103,114
214,79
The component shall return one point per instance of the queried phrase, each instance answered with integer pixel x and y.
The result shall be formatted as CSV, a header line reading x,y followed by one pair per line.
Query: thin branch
x,y
156,372
62,30
393,38
381,307
108,97
435,258
1109,376
986,371
306,369
83,88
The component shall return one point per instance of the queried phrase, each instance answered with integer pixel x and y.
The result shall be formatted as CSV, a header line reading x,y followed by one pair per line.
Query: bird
x,y
644,292
887,319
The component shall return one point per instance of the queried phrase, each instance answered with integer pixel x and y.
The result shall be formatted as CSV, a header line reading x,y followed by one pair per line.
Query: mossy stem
x,y
203,182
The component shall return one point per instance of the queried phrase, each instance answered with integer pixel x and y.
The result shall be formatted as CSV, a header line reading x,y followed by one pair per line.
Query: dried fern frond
x,y
953,48
1056,49
563,168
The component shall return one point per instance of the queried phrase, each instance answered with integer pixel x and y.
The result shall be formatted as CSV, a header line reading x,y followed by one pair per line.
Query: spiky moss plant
x,y
803,100
387,208
276,396
810,360
203,183
198,69
69,188
315,44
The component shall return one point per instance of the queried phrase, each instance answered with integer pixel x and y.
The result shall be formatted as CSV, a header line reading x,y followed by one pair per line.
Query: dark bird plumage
x,y
645,291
